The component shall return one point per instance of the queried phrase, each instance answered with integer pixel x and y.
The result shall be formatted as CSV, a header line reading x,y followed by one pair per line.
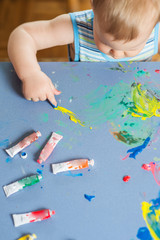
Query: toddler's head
x,y
122,27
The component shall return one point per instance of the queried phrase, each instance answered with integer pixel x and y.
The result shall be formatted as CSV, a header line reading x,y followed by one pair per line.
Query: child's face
x,y
120,48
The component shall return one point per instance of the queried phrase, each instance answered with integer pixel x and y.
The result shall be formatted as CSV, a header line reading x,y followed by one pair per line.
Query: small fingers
x,y
55,91
35,99
52,100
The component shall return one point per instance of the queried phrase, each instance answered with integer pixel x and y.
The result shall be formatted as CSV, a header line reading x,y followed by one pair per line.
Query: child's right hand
x,y
38,86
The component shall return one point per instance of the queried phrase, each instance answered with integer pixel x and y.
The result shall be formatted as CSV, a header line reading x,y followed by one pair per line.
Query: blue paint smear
x,y
144,234
39,171
8,159
4,143
135,151
42,165
69,173
89,197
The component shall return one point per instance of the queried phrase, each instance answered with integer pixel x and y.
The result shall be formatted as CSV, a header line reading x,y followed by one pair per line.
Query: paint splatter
x,y
144,104
151,215
69,173
135,151
144,234
126,178
125,137
89,197
72,116
44,117
155,169
8,159
4,143
157,70
39,171
141,73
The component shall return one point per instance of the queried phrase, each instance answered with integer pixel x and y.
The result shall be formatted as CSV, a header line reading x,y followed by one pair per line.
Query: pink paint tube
x,y
72,165
23,144
20,219
48,148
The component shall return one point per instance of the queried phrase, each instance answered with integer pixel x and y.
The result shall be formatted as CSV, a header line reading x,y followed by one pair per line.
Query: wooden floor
x,y
15,12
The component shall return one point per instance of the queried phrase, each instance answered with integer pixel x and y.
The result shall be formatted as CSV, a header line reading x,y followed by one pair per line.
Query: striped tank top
x,y
85,48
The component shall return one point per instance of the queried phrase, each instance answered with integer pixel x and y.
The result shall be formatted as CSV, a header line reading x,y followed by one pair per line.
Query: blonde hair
x,y
123,18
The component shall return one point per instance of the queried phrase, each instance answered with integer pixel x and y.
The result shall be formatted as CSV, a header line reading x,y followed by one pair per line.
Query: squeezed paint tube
x,y
28,237
20,219
48,148
72,165
23,144
18,185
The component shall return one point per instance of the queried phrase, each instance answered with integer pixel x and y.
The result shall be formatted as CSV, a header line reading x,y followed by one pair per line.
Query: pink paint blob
x,y
157,70
155,169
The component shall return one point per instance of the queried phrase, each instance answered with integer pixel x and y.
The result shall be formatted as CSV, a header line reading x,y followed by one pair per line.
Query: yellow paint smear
x,y
145,106
71,115
155,218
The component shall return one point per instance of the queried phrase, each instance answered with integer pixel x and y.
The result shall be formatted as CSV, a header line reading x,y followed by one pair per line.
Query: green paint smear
x,y
143,104
44,117
141,73
114,105
29,181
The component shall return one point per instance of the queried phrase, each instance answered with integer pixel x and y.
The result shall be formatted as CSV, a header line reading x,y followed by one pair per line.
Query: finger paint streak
x,y
145,104
135,151
151,215
72,116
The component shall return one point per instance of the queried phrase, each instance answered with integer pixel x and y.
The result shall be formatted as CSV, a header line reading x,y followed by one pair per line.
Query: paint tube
x,y
23,144
48,148
20,219
72,165
19,185
28,237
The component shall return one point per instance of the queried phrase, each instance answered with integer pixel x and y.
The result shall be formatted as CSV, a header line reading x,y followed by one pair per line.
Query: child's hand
x,y
38,86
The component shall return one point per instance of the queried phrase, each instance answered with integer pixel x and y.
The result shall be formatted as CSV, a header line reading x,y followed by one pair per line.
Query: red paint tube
x,y
20,219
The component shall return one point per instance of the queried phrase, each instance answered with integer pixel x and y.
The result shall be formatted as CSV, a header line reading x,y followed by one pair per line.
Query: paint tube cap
x,y
39,161
39,134
23,155
91,162
40,176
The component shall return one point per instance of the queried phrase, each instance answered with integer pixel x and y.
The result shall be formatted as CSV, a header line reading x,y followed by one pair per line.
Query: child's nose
x,y
116,54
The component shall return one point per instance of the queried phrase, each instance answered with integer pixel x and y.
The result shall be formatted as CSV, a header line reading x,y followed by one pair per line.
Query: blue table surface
x,y
115,212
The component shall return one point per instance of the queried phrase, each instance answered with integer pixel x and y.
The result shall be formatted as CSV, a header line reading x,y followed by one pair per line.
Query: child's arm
x,y
159,40
25,41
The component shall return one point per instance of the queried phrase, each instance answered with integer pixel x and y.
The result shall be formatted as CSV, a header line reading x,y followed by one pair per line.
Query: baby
x,y
114,30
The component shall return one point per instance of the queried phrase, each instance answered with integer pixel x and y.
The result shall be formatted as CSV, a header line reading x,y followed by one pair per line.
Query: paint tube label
x,y
19,185
72,165
20,219
49,147
23,144
28,237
